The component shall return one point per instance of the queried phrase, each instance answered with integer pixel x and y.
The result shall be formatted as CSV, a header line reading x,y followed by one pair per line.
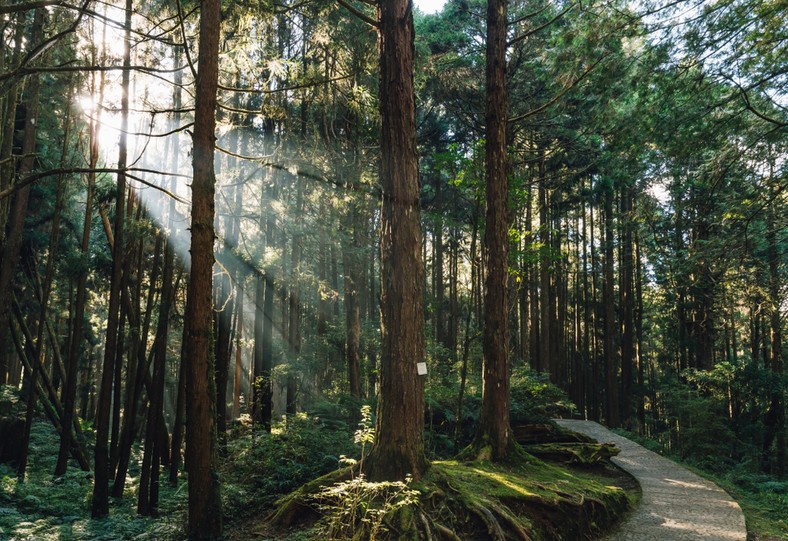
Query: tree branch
x,y
29,6
358,13
560,94
533,31
749,106
30,179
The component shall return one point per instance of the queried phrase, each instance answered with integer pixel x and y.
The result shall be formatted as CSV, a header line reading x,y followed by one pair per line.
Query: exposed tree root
x,y
298,507
426,525
493,526
465,501
445,532
514,523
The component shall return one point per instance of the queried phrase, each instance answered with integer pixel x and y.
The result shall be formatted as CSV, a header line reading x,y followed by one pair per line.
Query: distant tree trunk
x,y
268,340
9,255
594,412
205,508
399,442
438,280
149,477
180,396
180,410
260,381
587,352
28,361
493,437
611,366
226,278
533,288
27,163
467,339
294,308
627,292
545,304
239,335
68,397
46,289
100,504
262,354
352,285
557,365
775,415
640,354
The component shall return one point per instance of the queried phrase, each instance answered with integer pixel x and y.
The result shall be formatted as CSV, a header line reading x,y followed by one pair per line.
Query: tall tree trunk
x,y
399,441
493,437
205,508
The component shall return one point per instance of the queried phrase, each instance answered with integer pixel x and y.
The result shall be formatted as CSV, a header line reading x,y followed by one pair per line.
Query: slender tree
x,y
205,510
100,503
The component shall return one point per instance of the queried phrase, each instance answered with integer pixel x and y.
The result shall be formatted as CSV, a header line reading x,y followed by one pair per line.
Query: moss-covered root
x,y
297,507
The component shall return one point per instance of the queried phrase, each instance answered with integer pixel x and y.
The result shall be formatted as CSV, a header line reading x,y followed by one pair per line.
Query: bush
x,y
534,399
262,467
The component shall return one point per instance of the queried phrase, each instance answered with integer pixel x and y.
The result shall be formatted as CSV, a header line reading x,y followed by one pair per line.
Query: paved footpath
x,y
677,505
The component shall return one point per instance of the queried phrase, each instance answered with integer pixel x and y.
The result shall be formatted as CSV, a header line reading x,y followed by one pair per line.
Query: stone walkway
x,y
677,505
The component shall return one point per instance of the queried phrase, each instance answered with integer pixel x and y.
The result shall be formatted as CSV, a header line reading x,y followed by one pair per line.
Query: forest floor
x,y
677,504
674,499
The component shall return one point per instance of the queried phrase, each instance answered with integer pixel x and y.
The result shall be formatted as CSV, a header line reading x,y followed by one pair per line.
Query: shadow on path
x,y
677,505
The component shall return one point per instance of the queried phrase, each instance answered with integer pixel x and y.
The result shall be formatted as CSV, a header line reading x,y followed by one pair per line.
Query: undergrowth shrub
x,y
262,467
357,508
534,399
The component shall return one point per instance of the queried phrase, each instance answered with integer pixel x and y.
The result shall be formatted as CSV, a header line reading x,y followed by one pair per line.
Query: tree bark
x,y
493,436
399,443
205,509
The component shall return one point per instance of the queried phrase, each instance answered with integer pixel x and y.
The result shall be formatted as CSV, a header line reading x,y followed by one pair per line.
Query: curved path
x,y
677,505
